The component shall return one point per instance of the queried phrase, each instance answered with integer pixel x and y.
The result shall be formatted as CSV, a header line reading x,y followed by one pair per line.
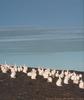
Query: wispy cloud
x,y
42,29
32,34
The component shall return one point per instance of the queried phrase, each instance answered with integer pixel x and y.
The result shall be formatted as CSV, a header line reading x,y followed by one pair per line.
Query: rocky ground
x,y
24,88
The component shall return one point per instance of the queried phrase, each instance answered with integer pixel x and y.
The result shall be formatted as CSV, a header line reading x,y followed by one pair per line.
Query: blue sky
x,y
35,25
41,13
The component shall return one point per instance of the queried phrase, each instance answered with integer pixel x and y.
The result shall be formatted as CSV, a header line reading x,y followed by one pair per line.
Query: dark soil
x,y
23,88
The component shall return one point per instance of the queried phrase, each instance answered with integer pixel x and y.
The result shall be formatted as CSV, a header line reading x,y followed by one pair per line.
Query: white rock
x,y
53,72
49,79
29,74
19,69
25,69
45,75
13,75
57,74
4,70
41,72
66,73
81,84
73,77
66,79
62,74
59,82
33,76
33,70
80,75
